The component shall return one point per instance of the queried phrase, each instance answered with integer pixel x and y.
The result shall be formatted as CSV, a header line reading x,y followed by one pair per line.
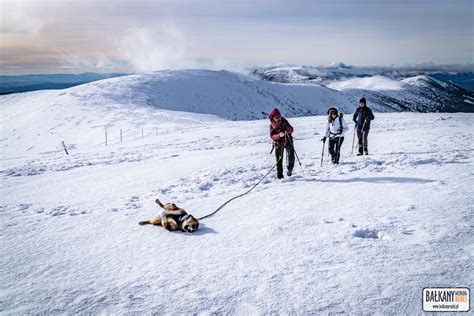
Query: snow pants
x,y
290,158
335,148
363,144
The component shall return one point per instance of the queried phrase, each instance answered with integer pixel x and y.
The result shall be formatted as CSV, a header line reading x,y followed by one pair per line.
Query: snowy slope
x,y
363,237
36,121
375,83
420,93
223,93
155,102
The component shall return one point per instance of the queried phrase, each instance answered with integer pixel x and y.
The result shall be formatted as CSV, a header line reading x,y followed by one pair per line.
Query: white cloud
x,y
148,50
17,17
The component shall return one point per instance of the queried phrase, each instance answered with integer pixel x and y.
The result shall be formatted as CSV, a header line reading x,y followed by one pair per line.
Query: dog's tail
x,y
159,203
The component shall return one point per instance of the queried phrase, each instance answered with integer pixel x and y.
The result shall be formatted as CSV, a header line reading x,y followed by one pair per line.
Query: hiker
x,y
280,133
335,130
362,117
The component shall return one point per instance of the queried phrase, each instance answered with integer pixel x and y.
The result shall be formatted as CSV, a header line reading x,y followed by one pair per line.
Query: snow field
x,y
364,236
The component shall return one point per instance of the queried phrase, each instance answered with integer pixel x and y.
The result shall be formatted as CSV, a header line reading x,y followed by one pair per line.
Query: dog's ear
x,y
174,207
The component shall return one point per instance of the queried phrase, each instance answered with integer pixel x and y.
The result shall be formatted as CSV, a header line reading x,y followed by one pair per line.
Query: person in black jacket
x,y
362,118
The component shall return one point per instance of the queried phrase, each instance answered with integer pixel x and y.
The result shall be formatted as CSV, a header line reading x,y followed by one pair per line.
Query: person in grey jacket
x,y
362,118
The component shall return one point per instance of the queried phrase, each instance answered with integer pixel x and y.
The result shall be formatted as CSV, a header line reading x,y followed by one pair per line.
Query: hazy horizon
x,y
144,35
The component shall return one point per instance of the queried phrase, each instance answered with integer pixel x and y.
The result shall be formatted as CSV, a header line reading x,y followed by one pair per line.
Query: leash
x,y
235,197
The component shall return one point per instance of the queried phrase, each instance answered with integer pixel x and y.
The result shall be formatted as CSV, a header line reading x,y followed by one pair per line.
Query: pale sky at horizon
x,y
44,36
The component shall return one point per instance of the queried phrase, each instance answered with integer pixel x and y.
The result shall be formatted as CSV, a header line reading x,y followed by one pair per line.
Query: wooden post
x,y
120,135
106,137
64,146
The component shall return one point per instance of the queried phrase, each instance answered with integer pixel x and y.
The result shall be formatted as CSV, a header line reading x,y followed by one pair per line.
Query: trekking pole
x,y
292,145
362,134
338,148
353,139
322,154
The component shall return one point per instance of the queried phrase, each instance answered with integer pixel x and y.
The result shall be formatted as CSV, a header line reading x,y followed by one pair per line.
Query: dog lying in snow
x,y
174,218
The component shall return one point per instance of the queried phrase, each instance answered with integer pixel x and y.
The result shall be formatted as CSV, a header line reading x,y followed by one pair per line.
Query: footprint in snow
x,y
134,203
369,233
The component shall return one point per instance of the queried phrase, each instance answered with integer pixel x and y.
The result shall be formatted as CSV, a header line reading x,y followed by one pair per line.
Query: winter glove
x,y
323,139
282,134
339,130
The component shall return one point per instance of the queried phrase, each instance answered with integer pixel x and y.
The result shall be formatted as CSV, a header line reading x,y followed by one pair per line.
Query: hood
x,y
274,112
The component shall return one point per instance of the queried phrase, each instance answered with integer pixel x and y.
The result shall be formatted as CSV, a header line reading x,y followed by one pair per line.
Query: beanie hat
x,y
363,101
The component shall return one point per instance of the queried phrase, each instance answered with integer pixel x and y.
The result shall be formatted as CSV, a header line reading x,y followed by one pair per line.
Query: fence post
x,y
105,137
64,146
120,135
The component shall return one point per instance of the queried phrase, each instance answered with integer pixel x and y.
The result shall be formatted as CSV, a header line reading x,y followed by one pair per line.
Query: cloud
x,y
20,18
169,34
148,50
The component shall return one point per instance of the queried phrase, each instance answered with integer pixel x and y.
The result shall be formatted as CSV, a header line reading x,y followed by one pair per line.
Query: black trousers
x,y
363,144
290,158
335,148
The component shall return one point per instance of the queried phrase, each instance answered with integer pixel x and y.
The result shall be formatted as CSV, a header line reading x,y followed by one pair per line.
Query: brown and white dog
x,y
174,218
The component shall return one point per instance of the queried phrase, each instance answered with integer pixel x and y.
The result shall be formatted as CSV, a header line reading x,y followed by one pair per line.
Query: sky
x,y
58,36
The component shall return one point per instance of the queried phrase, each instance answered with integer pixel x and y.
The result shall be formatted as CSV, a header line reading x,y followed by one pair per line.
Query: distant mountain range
x,y
460,75
402,89
295,90
24,83
235,96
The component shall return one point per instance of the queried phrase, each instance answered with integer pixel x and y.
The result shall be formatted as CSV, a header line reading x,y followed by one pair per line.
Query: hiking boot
x,y
280,176
289,173
359,154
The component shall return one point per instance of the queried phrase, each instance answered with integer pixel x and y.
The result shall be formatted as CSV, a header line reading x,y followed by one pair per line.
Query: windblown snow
x,y
364,236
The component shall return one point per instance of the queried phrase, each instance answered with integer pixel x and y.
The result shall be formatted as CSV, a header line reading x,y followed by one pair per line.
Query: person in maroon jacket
x,y
280,133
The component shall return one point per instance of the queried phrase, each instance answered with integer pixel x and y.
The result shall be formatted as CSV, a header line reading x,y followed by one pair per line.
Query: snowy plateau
x,y
362,237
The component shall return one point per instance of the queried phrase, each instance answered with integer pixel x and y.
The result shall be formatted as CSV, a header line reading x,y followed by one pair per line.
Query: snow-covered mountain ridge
x,y
159,101
415,92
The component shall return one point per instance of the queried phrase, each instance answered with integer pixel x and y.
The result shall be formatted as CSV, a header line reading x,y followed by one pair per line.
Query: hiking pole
x,y
338,148
353,139
322,154
292,145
